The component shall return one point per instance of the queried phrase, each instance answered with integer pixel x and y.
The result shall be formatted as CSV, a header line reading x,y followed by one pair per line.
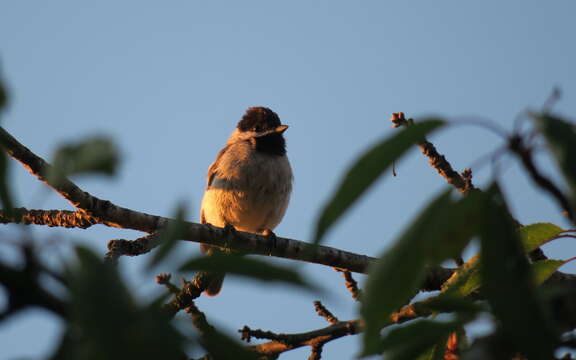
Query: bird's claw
x,y
271,240
231,232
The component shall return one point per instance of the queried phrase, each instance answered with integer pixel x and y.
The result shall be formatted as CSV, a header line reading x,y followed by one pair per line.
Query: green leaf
x,y
440,232
436,352
418,340
247,267
445,303
367,169
535,235
106,322
561,137
543,269
465,280
508,283
168,238
96,155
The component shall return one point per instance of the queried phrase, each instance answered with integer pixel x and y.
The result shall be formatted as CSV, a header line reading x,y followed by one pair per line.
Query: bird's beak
x,y
280,129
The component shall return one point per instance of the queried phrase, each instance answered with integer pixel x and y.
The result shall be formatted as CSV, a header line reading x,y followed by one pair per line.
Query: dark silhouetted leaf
x,y
445,303
440,232
367,169
5,193
535,235
106,323
436,352
96,155
561,138
507,283
168,238
418,340
247,267
221,346
3,95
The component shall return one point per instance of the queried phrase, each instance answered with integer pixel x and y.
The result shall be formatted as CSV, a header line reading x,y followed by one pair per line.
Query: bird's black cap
x,y
259,119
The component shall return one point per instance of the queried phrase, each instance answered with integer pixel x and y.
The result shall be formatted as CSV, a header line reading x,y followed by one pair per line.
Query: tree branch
x,y
461,182
94,210
63,218
284,342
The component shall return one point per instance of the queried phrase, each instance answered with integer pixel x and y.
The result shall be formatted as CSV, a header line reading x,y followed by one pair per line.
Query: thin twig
x,y
284,342
517,146
316,352
351,284
436,160
325,313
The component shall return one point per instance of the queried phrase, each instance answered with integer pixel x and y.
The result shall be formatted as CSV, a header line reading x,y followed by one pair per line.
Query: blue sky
x,y
169,80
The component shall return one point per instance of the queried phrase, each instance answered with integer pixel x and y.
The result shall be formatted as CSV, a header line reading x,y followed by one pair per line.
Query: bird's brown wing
x,y
212,172
213,169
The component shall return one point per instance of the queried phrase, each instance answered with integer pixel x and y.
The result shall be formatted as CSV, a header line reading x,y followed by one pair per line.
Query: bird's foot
x,y
231,234
271,239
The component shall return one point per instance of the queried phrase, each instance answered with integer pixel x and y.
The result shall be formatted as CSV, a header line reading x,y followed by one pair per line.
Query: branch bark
x,y
92,210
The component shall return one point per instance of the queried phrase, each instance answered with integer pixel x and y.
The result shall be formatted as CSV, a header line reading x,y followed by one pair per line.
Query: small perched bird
x,y
250,182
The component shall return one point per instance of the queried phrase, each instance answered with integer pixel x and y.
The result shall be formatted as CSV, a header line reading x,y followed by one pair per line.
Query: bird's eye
x,y
257,128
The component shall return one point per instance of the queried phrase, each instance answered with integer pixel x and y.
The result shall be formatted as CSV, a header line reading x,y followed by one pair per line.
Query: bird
x,y
250,182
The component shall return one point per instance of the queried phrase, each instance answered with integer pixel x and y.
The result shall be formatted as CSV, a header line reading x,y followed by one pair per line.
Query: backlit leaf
x,y
420,339
465,280
535,235
543,269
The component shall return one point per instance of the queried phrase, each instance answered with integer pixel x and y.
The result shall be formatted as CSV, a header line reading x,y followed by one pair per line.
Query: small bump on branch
x,y
122,247
164,279
51,218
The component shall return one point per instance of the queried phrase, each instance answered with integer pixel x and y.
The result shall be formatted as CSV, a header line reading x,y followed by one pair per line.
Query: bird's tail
x,y
213,279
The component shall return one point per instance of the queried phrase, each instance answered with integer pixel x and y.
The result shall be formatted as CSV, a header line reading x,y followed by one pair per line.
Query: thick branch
x,y
109,214
92,209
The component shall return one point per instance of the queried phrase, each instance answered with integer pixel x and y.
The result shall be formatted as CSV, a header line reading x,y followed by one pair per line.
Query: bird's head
x,y
262,127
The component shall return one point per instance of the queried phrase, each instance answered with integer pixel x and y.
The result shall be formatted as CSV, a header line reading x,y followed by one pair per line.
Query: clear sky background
x,y
169,80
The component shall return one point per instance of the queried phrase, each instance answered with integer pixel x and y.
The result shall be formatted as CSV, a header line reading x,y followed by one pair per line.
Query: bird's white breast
x,y
249,190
